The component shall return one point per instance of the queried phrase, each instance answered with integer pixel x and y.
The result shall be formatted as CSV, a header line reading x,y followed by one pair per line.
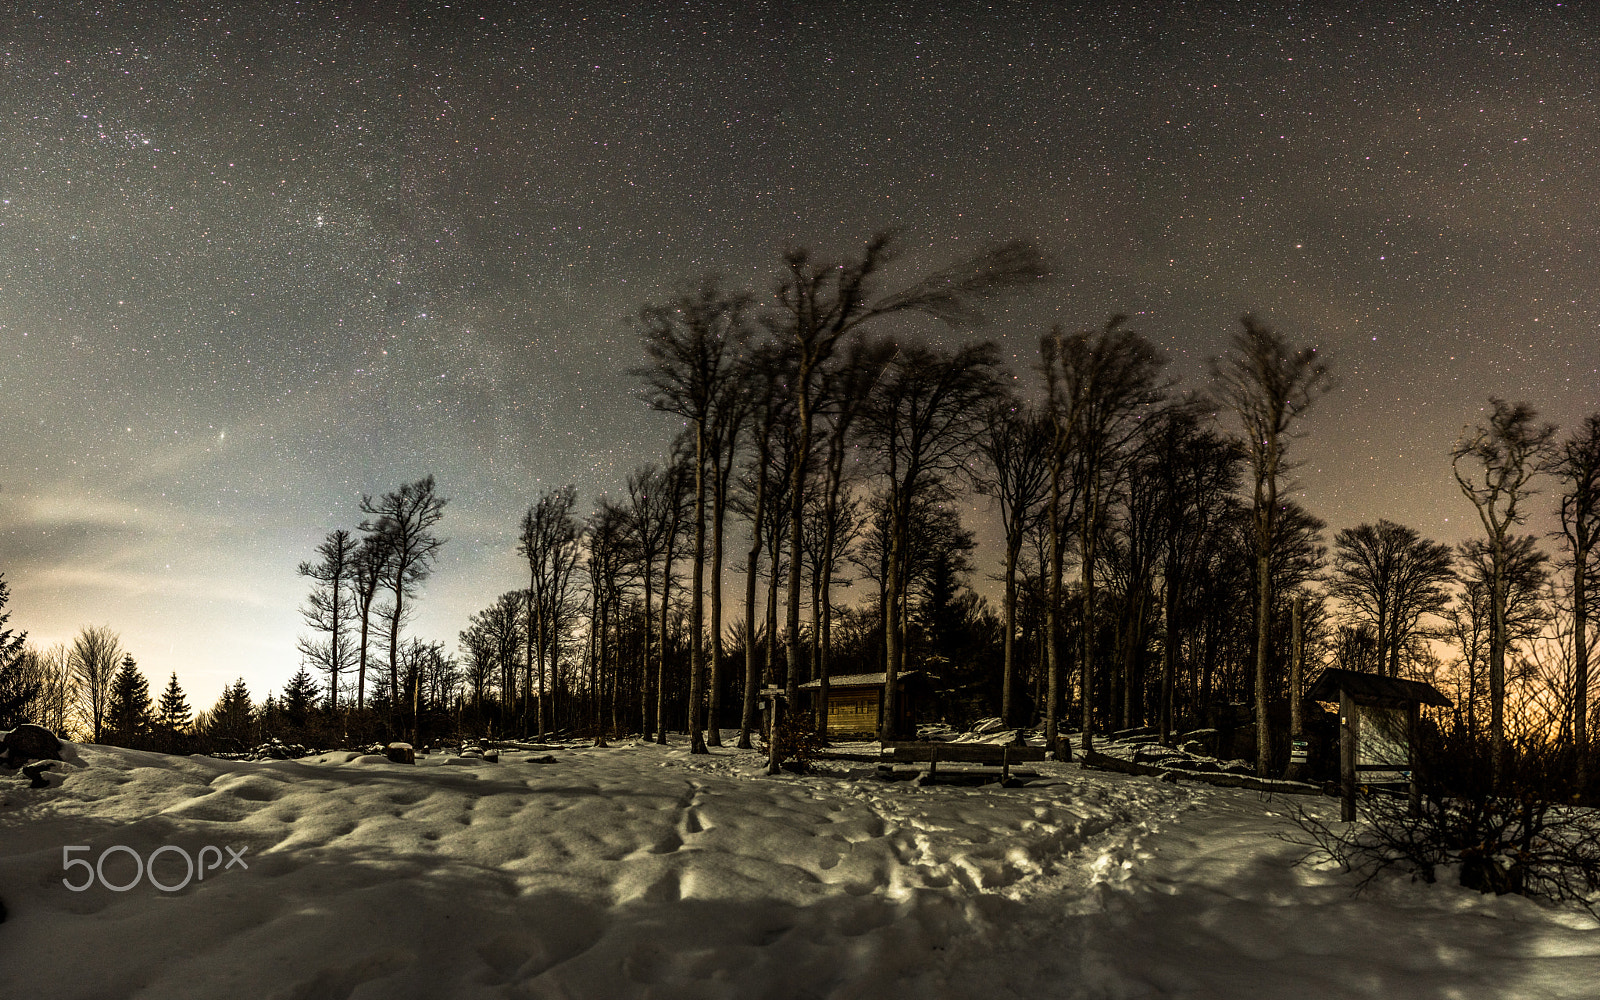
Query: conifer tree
x,y
172,712
299,695
232,718
17,688
129,714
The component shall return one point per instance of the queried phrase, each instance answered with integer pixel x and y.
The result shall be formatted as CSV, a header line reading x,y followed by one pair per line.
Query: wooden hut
x,y
855,703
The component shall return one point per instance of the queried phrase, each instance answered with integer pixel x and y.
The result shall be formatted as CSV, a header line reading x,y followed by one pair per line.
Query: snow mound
x,y
641,870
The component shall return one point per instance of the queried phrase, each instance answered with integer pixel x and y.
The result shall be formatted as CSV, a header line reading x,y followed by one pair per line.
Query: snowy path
x,y
643,872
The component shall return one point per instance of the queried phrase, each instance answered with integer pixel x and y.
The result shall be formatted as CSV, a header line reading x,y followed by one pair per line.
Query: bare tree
x,y
763,376
40,688
819,305
1576,463
1508,450
1389,577
550,541
330,607
846,386
1269,386
923,418
674,493
491,640
1524,574
692,342
730,412
481,662
1197,470
650,521
1016,446
96,653
368,571
609,565
1099,384
405,518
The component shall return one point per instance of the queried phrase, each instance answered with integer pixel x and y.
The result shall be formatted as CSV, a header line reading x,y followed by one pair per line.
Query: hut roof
x,y
860,680
1374,689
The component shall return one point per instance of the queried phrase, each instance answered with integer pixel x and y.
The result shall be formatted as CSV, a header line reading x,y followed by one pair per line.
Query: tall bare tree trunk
x,y
1009,672
697,742
714,712
752,679
1169,656
797,477
1052,620
661,661
892,647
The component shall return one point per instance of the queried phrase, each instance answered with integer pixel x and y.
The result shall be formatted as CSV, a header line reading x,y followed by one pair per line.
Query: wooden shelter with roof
x,y
1379,721
855,702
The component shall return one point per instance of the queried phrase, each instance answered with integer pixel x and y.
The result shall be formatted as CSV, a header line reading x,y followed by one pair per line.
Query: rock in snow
x,y
28,742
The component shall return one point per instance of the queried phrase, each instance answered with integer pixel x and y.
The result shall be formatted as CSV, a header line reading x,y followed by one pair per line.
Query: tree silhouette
x,y
1507,450
128,711
819,305
1015,445
922,419
95,653
172,711
405,519
763,379
18,688
232,718
650,521
330,607
549,541
1196,470
1269,386
1523,574
692,343
731,413
369,569
1390,576
845,390
299,698
1099,383
1576,464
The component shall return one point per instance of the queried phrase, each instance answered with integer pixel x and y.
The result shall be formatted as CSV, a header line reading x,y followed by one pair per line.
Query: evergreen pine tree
x,y
298,698
129,715
18,688
172,713
232,719
269,717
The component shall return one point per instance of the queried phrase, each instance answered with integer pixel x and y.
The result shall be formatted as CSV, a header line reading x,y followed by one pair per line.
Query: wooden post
x,y
772,693
1349,744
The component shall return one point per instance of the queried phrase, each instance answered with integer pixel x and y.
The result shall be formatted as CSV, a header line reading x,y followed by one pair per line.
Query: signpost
x,y
772,694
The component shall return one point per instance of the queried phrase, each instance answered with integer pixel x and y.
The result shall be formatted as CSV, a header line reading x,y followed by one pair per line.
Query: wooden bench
x,y
961,753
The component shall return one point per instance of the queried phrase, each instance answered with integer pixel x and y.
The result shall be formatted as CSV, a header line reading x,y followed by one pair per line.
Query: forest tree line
x,y
1152,562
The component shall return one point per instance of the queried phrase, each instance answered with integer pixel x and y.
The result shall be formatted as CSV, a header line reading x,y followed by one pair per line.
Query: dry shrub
x,y
1526,836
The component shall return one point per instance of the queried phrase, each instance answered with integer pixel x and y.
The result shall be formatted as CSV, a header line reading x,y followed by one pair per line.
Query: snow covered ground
x,y
640,871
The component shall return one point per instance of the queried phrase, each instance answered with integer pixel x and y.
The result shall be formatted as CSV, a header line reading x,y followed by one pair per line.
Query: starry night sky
x,y
257,262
